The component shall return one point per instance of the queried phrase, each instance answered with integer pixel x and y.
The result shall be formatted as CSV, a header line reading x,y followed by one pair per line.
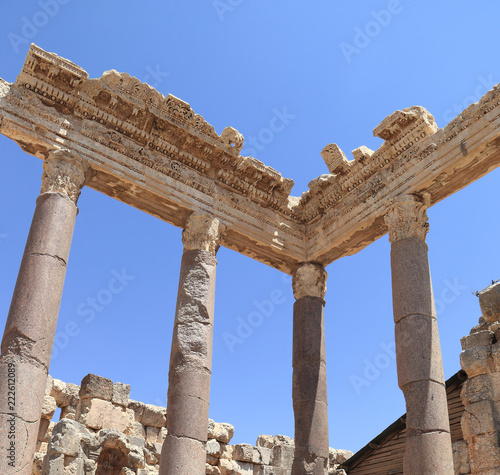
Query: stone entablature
x,y
100,427
155,153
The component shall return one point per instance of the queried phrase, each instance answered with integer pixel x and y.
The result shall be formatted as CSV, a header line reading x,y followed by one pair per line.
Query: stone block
x,y
152,434
480,418
495,356
214,449
69,412
481,388
481,338
49,385
94,386
49,407
212,470
44,432
121,394
283,456
283,441
154,416
476,361
65,394
232,467
489,301
339,456
100,414
461,457
262,455
266,470
265,441
136,429
226,451
243,453
137,407
486,454
67,437
137,441
221,431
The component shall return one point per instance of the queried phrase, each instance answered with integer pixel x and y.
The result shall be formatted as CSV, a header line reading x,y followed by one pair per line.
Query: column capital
x,y
202,232
309,280
407,218
64,173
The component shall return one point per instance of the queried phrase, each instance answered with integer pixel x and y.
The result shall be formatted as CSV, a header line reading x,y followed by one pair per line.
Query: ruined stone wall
x,y
102,431
480,359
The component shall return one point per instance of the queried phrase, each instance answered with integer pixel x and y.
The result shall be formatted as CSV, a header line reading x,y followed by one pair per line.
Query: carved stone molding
x,y
64,173
202,232
309,280
156,154
407,218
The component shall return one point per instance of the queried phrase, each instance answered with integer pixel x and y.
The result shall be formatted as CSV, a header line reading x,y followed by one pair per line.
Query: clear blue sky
x,y
339,68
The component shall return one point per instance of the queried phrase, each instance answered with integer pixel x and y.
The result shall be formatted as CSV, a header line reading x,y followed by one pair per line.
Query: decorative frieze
x,y
155,153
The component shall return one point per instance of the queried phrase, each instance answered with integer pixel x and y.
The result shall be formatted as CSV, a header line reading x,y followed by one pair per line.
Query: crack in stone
x,y
59,259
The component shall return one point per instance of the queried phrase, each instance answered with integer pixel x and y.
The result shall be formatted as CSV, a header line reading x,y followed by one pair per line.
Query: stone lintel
x,y
156,154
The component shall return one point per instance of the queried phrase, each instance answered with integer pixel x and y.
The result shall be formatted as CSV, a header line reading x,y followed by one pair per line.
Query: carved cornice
x,y
64,173
202,232
309,280
129,116
402,132
156,154
407,218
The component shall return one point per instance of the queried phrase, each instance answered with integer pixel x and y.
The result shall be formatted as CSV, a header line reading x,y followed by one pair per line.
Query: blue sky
x,y
334,70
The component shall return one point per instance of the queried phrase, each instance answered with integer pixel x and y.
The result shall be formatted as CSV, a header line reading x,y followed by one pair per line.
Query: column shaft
x,y
418,352
309,390
184,449
30,330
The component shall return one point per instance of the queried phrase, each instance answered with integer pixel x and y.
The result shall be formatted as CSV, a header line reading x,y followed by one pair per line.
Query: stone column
x,y
184,449
418,352
31,324
309,393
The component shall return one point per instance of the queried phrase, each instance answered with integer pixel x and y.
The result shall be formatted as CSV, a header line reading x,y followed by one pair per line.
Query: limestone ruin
x,y
126,140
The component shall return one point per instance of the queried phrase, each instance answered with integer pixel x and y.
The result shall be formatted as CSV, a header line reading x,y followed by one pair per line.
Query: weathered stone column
x,y
31,323
418,352
184,449
309,393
